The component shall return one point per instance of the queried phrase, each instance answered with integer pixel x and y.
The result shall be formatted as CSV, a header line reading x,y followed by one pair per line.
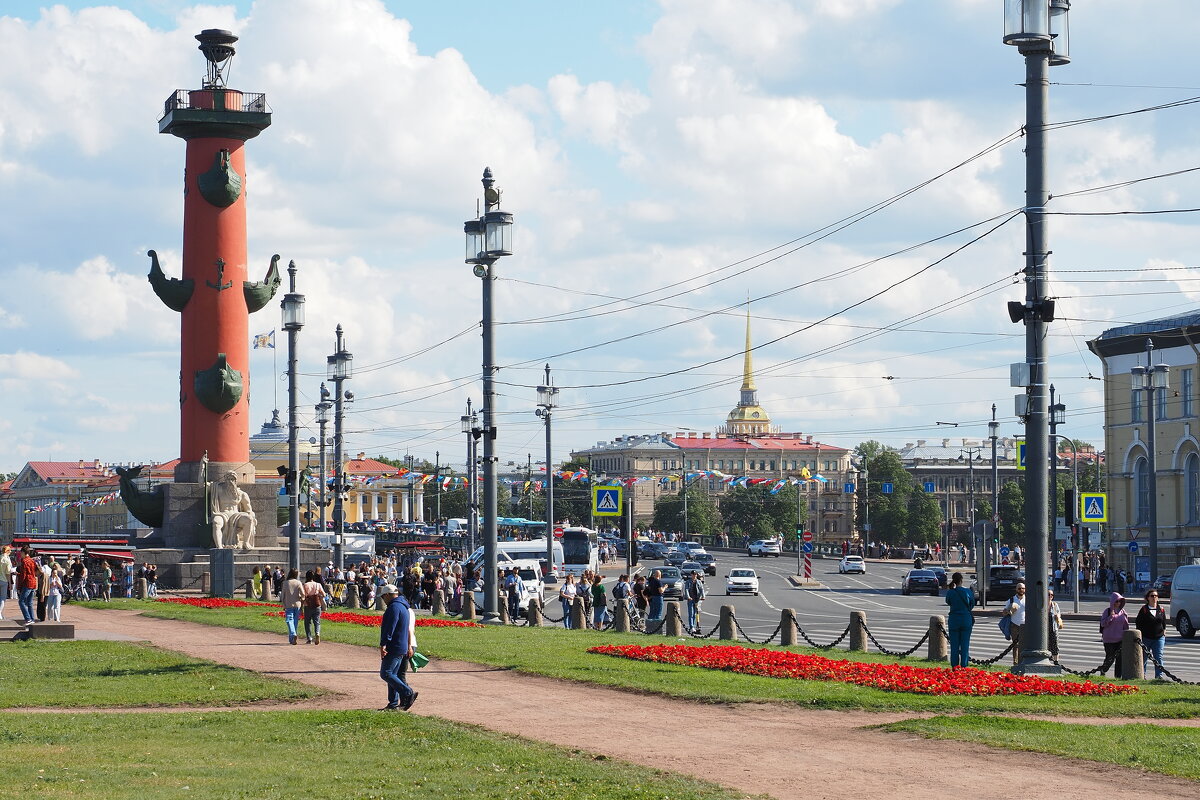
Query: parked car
x,y
1002,581
1185,599
764,547
1163,586
741,580
706,560
919,580
852,564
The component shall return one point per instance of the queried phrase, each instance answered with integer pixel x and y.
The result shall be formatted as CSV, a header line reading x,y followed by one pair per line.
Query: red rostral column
x,y
214,297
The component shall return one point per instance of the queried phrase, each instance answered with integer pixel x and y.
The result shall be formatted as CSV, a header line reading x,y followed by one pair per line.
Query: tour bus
x,y
579,551
529,550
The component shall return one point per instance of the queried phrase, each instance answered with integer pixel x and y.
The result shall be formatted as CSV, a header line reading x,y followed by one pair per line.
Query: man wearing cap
x,y
396,649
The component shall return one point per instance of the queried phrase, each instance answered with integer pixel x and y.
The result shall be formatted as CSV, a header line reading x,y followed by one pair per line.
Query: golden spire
x,y
748,366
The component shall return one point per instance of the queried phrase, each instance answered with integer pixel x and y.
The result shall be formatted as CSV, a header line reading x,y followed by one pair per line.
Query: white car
x,y
852,564
764,547
741,580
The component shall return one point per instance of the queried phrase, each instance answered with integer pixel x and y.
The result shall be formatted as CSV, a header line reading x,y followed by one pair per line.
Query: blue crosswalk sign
x,y
607,501
886,488
1093,507
929,487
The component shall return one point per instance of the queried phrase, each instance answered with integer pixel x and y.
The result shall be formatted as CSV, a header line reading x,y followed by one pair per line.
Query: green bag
x,y
418,660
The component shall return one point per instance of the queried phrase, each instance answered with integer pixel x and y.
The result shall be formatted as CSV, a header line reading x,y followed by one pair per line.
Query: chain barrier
x,y
887,652
746,636
1148,653
1100,670
811,643
708,635
982,661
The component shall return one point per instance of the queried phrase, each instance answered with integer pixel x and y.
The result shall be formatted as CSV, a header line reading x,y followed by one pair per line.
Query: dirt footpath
x,y
784,752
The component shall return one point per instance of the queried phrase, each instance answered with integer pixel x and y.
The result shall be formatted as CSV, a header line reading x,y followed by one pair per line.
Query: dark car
x,y
651,549
672,581
943,578
1163,586
676,557
919,580
706,560
1002,581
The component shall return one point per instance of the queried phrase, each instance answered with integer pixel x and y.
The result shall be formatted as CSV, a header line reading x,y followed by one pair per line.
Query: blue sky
x,y
641,145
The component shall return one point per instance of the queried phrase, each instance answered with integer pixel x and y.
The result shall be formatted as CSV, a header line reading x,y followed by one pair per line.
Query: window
x,y
772,466
1135,405
1141,489
1186,409
1191,469
1160,403
721,464
739,466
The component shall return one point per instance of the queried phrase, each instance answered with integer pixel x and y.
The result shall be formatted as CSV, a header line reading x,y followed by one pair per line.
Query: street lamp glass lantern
x,y
322,413
1058,414
546,396
466,423
1060,32
1026,21
473,228
498,233
1139,376
1161,372
293,311
340,365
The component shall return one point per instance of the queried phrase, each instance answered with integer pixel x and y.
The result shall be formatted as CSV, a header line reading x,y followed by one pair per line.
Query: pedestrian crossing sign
x,y
1020,455
1093,507
607,501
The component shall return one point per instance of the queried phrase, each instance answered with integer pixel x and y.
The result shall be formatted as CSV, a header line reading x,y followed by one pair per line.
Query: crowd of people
x,y
41,584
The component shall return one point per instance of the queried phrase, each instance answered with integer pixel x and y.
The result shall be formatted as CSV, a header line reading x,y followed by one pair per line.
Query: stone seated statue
x,y
231,512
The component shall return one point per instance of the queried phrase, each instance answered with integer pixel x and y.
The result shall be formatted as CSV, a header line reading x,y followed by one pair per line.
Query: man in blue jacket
x,y
395,649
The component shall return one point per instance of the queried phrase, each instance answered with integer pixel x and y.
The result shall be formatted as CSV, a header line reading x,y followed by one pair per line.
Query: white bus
x,y
579,551
531,550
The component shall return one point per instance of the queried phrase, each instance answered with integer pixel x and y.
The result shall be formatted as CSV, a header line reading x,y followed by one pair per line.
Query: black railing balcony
x,y
216,99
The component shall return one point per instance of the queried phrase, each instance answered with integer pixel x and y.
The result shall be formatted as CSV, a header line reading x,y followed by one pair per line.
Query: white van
x,y
1185,599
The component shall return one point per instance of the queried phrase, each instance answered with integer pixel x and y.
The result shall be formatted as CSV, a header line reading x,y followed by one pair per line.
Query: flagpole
x,y
275,368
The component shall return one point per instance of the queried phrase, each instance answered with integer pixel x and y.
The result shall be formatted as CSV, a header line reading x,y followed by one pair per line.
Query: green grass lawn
x,y
110,674
1171,751
305,754
562,654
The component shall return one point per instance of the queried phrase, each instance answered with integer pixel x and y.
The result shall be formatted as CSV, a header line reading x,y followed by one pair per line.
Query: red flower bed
x,y
374,621
890,677
212,602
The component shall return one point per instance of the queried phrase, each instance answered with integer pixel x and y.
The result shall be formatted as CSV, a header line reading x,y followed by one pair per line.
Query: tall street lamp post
x,y
488,238
983,558
293,321
322,409
970,455
1038,28
547,393
1075,554
339,368
1153,380
470,426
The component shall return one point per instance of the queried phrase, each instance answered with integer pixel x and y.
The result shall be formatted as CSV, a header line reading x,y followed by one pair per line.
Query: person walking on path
x,y
6,576
1152,622
314,604
1055,621
1015,610
693,590
396,649
1113,624
566,596
960,620
291,597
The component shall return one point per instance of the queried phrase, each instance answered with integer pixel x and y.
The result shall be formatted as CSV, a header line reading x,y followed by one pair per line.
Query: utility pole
x,y
983,557
437,476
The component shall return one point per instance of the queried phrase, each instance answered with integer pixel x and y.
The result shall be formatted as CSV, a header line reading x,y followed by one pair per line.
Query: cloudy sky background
x,y
664,160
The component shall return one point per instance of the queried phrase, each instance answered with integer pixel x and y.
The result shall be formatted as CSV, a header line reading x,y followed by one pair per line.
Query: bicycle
x,y
637,619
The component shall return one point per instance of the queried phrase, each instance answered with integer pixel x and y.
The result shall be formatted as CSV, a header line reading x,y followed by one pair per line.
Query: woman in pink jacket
x,y
1113,624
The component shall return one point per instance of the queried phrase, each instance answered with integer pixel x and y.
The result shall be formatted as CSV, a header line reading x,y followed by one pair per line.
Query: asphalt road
x,y
896,621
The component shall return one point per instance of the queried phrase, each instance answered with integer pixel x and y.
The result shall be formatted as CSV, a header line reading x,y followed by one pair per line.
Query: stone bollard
x,y
250,595
439,605
672,622
503,609
621,618
468,606
351,596
205,582
858,631
939,647
534,613
267,598
578,619
1133,660
727,631
378,602
787,627
140,589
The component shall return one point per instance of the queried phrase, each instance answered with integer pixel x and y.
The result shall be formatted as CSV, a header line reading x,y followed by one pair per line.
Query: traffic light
x,y
1069,510
633,551
288,476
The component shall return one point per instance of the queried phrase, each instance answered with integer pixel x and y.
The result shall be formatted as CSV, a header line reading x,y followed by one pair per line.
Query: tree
x,y
572,501
924,518
891,515
753,510
702,517
1012,511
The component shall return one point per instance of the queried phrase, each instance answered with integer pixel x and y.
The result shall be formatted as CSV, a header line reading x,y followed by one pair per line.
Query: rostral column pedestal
x,y
214,299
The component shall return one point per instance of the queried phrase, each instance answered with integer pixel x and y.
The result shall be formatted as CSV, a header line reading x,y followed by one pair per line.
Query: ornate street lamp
x,y
546,395
340,368
1153,379
470,426
322,411
293,321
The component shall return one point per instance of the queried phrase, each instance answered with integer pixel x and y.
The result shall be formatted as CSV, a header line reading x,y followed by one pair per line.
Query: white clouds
x,y
33,367
600,111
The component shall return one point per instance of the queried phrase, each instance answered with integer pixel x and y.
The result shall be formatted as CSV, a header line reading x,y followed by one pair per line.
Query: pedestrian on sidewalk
x,y
599,602
566,596
1054,613
396,649
1152,622
654,594
961,600
55,595
1113,624
6,576
291,597
314,604
694,591
1015,610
